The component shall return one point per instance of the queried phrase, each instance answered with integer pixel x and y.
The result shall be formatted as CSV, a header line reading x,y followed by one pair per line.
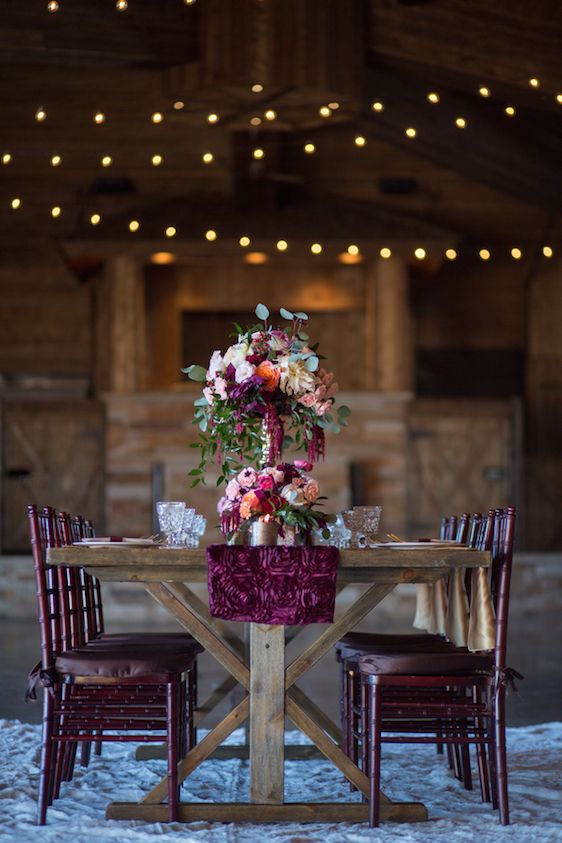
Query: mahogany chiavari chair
x,y
128,694
465,691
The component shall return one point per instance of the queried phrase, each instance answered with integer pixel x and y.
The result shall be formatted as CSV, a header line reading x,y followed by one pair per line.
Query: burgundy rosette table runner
x,y
272,585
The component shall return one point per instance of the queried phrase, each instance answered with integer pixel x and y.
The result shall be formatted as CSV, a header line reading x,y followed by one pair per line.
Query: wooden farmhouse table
x,y
272,693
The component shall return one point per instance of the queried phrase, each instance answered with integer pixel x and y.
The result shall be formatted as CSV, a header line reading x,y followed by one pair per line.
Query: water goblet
x,y
186,525
198,528
170,516
370,517
354,523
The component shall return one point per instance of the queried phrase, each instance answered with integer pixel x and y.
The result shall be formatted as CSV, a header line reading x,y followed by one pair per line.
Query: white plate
x,y
124,543
420,545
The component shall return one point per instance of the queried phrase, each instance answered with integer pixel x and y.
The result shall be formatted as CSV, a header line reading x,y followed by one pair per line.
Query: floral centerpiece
x,y
266,392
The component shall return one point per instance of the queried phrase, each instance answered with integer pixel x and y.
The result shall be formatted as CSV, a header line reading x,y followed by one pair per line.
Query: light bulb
x,y
484,254
52,6
179,104
450,254
244,241
547,251
95,219
516,254
316,248
157,117
170,231
385,253
534,82
255,121
377,106
56,211
460,122
212,117
99,117
484,91
324,111
121,5
55,160
309,148
15,203
334,105
282,245
420,253
257,88
433,97
360,140
270,114
40,115
258,154
134,225
208,157
510,110
411,133
106,161
156,160
559,98
211,235
353,249
6,158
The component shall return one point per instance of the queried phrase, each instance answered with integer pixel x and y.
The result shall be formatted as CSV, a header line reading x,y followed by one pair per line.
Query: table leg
x,y
267,713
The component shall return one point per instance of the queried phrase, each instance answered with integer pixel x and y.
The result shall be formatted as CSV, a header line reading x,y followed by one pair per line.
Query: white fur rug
x,y
409,773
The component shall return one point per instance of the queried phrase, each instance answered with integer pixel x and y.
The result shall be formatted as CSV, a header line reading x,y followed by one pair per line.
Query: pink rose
x,y
303,465
220,388
308,399
208,393
232,489
323,407
247,477
266,482
311,490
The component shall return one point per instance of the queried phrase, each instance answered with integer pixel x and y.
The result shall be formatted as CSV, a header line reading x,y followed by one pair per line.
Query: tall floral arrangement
x,y
266,392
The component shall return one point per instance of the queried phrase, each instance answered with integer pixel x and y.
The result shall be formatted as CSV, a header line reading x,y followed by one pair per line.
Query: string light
x,y
353,249
40,114
255,258
282,245
360,140
244,241
460,122
410,132
257,88
316,248
270,114
334,105
106,161
309,148
162,258
55,160
484,91
171,231
377,106
258,154
95,219
6,158
56,211
534,82
189,2
433,97
559,98
208,158
484,254
212,117
178,105
450,254
510,110
325,111
547,251
516,254
210,235
255,121
15,203
385,253
121,5
156,160
157,117
420,253
99,117
52,6
134,225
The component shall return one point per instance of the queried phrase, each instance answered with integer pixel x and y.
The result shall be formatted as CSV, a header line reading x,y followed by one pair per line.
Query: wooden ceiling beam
x,y
495,150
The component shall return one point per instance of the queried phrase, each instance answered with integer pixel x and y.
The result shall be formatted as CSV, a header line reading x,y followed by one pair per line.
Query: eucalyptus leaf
x,y
261,311
302,316
286,314
203,424
195,373
344,411
201,402
303,336
312,363
336,428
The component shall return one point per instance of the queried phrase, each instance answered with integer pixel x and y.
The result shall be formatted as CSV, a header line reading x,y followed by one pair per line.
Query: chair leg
x,y
98,744
45,775
501,760
481,751
439,746
465,766
373,734
351,720
172,727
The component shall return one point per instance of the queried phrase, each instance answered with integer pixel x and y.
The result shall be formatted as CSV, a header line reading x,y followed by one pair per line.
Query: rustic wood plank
x,y
202,751
202,631
238,812
267,713
321,718
335,631
293,752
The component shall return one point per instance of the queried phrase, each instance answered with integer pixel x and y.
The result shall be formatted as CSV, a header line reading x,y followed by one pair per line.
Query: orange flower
x,y
270,375
249,505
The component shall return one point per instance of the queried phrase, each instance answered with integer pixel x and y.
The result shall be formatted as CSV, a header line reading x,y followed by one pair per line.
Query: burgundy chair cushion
x,y
423,664
355,644
122,663
174,641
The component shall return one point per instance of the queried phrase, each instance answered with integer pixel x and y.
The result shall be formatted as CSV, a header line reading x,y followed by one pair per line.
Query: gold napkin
x,y
482,624
456,625
440,606
425,608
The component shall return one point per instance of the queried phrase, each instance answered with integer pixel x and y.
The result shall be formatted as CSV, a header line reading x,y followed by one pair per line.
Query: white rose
x,y
216,365
244,371
294,496
236,354
295,378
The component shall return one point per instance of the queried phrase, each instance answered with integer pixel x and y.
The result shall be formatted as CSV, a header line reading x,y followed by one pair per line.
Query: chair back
x,y
502,559
52,625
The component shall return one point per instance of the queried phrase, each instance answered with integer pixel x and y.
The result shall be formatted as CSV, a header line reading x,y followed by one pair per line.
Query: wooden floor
x,y
533,650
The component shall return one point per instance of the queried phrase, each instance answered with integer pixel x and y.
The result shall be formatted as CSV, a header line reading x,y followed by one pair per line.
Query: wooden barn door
x,y
463,456
52,455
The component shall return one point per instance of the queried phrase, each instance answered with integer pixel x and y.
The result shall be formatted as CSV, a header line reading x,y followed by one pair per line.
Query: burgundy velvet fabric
x,y
272,585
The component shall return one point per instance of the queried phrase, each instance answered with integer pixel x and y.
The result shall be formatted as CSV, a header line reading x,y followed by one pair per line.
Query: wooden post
x,y
394,340
267,714
370,297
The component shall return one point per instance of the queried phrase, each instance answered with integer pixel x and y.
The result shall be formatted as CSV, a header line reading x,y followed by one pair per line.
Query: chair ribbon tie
x,y
506,678
38,676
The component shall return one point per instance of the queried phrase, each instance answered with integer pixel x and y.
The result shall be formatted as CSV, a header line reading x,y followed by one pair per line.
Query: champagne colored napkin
x,y
456,625
482,624
425,608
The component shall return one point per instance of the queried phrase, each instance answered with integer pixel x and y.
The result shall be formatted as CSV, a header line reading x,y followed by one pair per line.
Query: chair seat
x,y
173,640
124,663
427,664
355,644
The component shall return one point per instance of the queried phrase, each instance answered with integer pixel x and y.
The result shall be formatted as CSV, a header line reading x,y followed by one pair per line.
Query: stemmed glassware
x,y
170,518
369,520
